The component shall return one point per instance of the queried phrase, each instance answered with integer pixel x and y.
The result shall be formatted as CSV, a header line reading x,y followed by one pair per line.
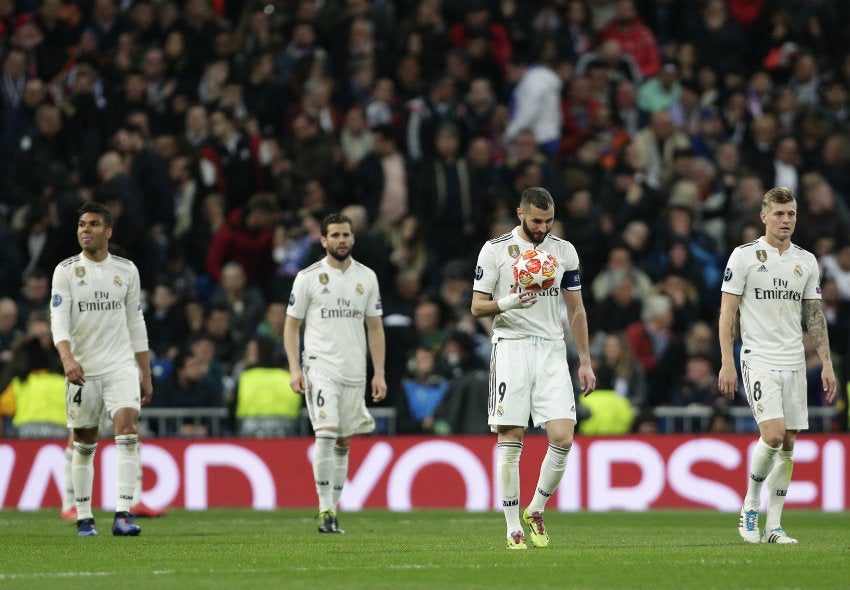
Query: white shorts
x,y
775,394
119,389
331,404
529,377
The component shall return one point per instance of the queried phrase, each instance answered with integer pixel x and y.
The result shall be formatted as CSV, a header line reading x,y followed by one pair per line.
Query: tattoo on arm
x,y
816,325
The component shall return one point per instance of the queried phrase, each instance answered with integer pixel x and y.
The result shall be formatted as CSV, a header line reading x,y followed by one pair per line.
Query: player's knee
x,y
564,441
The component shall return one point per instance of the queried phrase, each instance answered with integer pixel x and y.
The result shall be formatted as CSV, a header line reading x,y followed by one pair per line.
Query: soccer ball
x,y
534,270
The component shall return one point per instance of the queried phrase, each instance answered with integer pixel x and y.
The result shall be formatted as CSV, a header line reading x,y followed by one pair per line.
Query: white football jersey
x,y
494,276
334,305
96,307
772,289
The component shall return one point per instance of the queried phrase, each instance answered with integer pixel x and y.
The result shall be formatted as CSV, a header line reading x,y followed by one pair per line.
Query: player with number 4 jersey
x,y
100,333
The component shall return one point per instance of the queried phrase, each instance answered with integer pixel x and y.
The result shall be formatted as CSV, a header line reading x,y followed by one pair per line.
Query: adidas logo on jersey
x,y
325,291
762,268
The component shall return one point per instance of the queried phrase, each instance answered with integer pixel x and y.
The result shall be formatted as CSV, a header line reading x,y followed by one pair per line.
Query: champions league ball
x,y
534,270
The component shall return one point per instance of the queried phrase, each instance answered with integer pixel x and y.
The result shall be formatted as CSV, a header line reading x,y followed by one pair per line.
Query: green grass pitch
x,y
428,549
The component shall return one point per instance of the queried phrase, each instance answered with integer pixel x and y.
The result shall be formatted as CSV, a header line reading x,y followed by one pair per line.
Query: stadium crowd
x,y
220,132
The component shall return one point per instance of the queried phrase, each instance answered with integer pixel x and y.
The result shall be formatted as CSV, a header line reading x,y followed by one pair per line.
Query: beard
x,y
536,236
339,257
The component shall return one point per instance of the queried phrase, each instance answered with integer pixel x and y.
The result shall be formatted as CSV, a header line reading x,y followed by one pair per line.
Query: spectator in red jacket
x,y
247,239
634,36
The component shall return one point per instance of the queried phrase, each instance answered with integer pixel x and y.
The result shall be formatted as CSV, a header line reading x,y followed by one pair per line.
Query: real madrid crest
x,y
761,255
798,271
513,250
80,271
359,289
117,281
323,278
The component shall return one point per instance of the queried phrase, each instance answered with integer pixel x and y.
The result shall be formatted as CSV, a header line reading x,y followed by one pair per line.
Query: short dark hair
x,y
99,209
334,218
536,196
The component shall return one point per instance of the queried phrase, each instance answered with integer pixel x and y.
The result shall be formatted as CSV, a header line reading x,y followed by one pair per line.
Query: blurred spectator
x,y
187,387
655,146
424,389
166,322
627,376
35,394
620,263
264,404
634,36
536,103
619,308
235,157
9,331
698,386
34,299
245,238
608,413
217,329
244,302
660,92
426,113
450,202
428,325
820,213
383,180
658,349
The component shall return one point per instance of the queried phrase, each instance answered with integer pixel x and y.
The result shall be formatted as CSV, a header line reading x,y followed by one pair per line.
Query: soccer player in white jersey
x,y
100,333
335,297
774,284
528,365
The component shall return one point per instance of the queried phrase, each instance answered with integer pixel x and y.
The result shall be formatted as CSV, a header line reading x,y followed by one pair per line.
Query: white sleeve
x,y
135,319
812,288
735,275
60,306
374,307
486,271
298,299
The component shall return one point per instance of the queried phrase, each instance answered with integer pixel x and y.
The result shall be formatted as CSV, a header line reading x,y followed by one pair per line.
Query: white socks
x,y
777,488
340,472
68,484
127,470
324,468
551,471
137,489
507,470
82,476
760,466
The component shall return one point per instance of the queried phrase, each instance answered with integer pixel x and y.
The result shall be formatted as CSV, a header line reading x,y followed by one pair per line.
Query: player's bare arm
x,y
292,346
816,325
577,316
146,382
727,380
484,306
72,369
377,351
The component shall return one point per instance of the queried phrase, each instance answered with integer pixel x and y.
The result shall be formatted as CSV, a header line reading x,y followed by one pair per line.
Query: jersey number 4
x,y
78,397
